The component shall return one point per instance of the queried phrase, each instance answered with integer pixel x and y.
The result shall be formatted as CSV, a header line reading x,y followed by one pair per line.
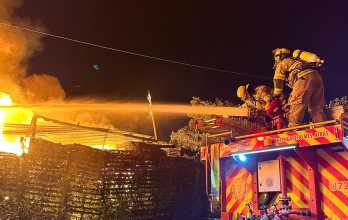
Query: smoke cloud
x,y
16,47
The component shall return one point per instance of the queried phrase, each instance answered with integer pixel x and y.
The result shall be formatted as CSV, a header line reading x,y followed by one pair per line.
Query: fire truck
x,y
284,173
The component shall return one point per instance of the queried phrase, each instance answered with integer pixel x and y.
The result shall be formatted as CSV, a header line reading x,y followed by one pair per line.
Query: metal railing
x,y
274,131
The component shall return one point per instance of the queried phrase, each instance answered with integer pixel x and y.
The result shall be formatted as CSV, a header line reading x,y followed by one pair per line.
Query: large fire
x,y
8,115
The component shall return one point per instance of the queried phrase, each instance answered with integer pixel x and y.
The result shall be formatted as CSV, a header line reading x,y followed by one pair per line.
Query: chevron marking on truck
x,y
333,176
235,202
297,182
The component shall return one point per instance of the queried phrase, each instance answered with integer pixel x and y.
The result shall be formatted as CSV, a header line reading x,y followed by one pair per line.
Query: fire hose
x,y
274,214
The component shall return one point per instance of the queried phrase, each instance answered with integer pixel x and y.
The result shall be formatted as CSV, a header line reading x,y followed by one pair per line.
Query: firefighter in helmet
x,y
258,98
307,87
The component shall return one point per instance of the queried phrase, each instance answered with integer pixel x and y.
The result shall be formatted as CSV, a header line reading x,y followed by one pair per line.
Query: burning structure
x,y
40,177
44,173
76,181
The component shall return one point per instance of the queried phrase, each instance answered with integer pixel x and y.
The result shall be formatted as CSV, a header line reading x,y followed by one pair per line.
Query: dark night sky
x,y
230,35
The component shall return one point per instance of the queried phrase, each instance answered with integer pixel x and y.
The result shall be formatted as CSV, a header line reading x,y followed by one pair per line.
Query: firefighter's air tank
x,y
307,56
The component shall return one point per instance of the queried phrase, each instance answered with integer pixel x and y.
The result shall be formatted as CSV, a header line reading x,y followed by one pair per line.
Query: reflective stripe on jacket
x,y
289,70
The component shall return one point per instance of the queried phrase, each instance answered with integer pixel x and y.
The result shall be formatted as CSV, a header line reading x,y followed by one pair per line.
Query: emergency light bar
x,y
263,151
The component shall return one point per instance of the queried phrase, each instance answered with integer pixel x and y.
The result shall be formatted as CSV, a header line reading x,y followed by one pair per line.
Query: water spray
x,y
139,107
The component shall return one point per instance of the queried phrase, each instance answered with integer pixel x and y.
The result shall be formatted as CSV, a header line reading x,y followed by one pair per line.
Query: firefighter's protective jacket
x,y
308,90
262,96
289,70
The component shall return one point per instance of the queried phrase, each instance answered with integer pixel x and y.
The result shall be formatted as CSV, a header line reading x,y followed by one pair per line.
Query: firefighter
x,y
258,98
307,87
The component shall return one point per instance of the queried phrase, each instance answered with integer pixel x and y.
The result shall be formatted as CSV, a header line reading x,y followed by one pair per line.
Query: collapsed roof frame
x,y
107,131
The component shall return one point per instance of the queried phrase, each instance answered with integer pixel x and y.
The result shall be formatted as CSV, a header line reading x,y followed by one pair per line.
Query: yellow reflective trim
x,y
298,184
311,141
293,66
279,76
296,200
298,167
333,162
344,154
232,201
329,177
339,203
305,72
266,98
229,173
277,91
330,214
247,199
240,173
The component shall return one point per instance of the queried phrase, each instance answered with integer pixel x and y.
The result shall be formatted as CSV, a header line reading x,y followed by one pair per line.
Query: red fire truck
x,y
290,173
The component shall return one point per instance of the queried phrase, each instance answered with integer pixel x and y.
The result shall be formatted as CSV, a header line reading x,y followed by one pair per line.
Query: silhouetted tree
x,y
190,138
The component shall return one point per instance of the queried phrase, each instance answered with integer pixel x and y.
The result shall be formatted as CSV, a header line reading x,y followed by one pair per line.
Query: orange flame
x,y
5,47
10,146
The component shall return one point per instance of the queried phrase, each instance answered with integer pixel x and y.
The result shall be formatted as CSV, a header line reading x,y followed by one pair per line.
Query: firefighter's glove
x,y
274,97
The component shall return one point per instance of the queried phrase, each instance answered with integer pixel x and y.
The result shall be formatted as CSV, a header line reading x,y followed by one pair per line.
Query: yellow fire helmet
x,y
241,91
280,51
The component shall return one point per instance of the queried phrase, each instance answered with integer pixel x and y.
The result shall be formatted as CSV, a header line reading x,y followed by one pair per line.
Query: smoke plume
x,y
16,47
